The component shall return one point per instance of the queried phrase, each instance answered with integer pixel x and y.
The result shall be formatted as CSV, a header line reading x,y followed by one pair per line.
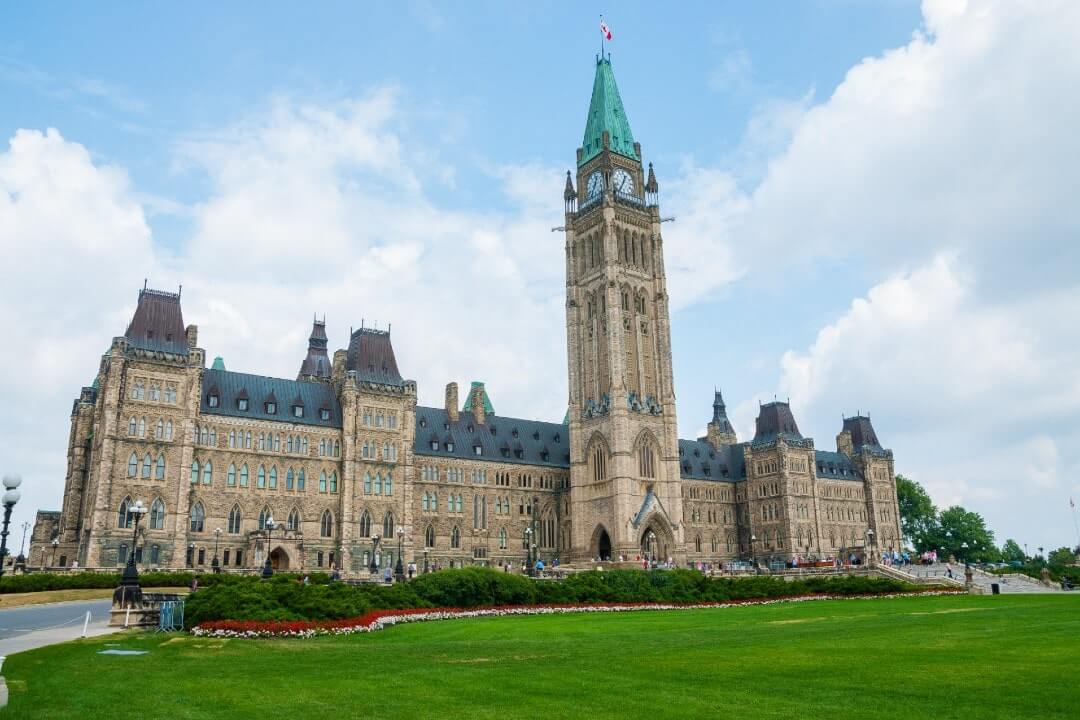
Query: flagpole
x,y
1075,524
601,37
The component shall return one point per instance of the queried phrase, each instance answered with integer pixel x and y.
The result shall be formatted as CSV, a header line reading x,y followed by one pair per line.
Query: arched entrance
x,y
279,559
601,544
657,542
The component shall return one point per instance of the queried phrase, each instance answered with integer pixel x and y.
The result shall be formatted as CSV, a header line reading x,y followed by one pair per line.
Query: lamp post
x,y
268,567
55,543
967,566
11,483
426,568
22,558
753,560
650,555
399,571
214,563
131,573
374,567
528,552
870,544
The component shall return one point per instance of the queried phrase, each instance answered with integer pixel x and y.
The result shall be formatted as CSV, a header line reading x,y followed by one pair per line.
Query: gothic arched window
x,y
159,472
198,517
429,536
234,520
388,525
294,520
326,525
365,524
124,518
133,465
157,515
455,538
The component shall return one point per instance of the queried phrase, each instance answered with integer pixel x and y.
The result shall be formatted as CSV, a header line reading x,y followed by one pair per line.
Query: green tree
x,y
957,527
918,516
1061,556
1011,551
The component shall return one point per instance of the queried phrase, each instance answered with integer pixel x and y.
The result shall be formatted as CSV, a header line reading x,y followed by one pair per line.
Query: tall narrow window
x,y
455,538
132,426
244,475
157,515
378,483
293,523
168,429
234,520
365,524
388,525
429,536
326,526
290,479
124,518
367,482
133,465
273,477
333,481
388,485
208,473
194,472
260,480
300,480
322,481
230,476
198,517
159,471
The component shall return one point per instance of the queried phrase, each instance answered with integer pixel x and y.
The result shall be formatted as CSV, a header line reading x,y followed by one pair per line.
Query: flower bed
x,y
380,619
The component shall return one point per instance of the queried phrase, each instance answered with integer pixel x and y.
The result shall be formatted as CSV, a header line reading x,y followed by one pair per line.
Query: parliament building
x,y
351,469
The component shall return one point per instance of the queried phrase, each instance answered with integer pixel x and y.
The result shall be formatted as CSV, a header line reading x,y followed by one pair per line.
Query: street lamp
x,y
399,571
374,567
528,552
131,573
753,561
870,543
214,563
268,567
21,559
55,543
426,551
11,483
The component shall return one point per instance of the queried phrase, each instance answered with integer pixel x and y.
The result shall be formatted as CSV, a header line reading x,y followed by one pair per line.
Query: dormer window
x,y
324,414
514,432
298,411
478,449
544,454
242,404
449,447
212,401
556,438
470,427
271,408
434,444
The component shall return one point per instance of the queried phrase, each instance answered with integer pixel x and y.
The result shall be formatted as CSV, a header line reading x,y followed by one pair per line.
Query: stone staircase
x,y
981,581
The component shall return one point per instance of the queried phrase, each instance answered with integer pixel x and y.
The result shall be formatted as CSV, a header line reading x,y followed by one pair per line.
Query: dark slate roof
x,y
835,466
699,460
533,442
862,432
372,357
775,419
258,389
317,362
158,323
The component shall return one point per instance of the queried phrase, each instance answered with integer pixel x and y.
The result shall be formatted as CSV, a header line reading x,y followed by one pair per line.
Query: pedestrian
x,y
194,584
412,569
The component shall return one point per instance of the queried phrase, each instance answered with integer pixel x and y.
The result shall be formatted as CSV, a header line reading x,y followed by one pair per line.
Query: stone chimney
x,y
452,402
192,334
843,443
476,396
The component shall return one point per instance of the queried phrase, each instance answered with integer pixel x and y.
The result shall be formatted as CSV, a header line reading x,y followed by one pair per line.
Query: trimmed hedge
x,y
38,582
284,598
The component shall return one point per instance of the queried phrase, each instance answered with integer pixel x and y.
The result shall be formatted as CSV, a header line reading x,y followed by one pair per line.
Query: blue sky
x,y
851,182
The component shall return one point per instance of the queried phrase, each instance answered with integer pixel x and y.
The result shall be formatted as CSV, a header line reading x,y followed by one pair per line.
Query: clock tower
x,y
624,456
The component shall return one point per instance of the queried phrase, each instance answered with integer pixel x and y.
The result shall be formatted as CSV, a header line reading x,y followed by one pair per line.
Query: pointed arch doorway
x,y
601,544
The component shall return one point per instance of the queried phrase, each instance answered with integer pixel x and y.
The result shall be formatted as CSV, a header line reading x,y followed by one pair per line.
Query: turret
x,y
720,431
316,366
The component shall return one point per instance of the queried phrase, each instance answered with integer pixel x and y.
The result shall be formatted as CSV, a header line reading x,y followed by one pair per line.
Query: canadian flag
x,y
604,29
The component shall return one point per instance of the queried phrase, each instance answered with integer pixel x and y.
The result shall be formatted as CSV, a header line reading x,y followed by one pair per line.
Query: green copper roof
x,y
606,113
488,409
219,364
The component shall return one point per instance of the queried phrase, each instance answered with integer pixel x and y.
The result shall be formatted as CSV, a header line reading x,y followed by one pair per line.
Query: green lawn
x,y
937,657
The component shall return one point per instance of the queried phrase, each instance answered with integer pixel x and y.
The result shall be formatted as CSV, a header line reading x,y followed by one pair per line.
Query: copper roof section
x,y
862,432
372,357
158,323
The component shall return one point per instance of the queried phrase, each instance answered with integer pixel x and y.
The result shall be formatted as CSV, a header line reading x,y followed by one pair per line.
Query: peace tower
x,y
624,452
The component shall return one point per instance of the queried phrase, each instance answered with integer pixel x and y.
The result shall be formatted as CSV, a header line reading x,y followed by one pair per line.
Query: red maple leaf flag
x,y
604,29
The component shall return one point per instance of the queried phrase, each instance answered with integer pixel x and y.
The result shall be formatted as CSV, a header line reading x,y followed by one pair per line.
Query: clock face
x,y
623,182
596,184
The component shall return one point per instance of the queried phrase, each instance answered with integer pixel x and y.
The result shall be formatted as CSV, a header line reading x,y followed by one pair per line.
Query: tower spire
x,y
607,115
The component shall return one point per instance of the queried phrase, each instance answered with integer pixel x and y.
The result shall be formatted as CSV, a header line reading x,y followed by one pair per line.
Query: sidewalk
x,y
52,636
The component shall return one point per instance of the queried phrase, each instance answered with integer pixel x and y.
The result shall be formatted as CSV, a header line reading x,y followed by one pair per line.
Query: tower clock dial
x,y
595,185
623,182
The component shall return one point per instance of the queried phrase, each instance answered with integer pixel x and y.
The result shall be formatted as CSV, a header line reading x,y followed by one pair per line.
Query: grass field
x,y
935,657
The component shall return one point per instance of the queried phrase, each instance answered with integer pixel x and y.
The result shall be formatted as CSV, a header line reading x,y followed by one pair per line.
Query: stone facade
x,y
351,469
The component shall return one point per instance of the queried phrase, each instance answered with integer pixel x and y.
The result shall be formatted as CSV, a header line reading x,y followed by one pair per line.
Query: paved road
x,y
23,620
